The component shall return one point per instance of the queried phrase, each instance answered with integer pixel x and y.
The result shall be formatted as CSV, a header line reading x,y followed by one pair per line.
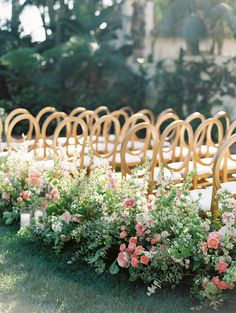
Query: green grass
x,y
33,280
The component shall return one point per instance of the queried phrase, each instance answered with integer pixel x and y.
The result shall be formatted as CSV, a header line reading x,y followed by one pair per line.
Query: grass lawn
x,y
33,280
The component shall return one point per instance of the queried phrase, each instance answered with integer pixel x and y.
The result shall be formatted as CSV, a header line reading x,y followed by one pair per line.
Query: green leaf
x,y
114,268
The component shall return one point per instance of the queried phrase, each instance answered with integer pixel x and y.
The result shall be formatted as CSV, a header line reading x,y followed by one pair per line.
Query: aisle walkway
x,y
35,281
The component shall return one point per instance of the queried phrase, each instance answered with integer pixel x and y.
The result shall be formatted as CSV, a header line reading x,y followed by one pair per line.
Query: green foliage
x,y
192,85
75,66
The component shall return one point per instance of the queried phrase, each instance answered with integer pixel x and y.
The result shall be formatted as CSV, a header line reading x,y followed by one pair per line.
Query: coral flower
x,y
133,240
144,259
222,267
139,249
19,199
134,262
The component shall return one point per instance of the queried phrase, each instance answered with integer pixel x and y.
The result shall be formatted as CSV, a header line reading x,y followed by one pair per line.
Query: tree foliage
x,y
75,65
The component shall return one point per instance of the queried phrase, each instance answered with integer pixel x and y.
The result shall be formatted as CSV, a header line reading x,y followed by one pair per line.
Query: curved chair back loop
x,y
140,155
77,111
12,115
74,144
108,128
220,159
180,128
149,114
15,144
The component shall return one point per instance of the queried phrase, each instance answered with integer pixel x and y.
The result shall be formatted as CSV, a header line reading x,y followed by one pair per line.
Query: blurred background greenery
x,y
79,63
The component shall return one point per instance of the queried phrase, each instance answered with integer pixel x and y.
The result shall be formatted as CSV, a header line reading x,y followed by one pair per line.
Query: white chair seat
x,y
130,159
204,149
204,197
201,169
181,152
229,186
168,175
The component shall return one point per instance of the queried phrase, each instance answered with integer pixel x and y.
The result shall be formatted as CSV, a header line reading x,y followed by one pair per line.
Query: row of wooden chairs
x,y
178,148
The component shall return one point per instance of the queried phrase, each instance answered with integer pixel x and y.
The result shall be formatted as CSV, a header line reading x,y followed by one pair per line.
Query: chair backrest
x,y
90,118
74,143
44,111
15,144
136,118
219,160
224,118
149,114
77,111
204,140
121,115
128,110
104,127
49,123
127,150
101,110
194,119
12,115
167,153
163,120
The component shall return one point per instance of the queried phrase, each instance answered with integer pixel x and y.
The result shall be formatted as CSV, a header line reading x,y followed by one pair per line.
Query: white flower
x,y
57,227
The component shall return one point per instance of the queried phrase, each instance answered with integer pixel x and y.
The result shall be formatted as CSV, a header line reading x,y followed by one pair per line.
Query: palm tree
x,y
198,19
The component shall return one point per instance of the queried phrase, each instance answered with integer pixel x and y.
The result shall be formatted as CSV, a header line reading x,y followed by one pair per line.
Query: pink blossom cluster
x,y
132,254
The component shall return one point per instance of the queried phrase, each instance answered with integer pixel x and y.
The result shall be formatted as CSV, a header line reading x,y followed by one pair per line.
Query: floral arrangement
x,y
119,225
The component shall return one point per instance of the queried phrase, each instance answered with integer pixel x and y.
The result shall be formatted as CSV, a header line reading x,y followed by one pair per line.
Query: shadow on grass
x,y
35,280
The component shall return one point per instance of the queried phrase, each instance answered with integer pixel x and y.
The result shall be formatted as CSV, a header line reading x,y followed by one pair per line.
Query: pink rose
x,y
123,234
156,239
123,260
213,240
140,230
134,262
144,259
129,202
131,247
26,194
66,217
19,199
122,247
222,267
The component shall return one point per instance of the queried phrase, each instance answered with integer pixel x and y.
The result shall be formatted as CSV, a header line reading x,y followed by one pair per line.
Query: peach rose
x,y
19,199
123,260
133,240
134,262
213,243
139,249
222,267
144,259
